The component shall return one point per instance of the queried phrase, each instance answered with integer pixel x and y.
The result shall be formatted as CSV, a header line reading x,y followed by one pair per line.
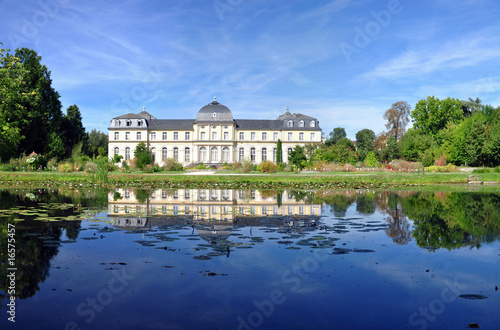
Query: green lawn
x,y
255,180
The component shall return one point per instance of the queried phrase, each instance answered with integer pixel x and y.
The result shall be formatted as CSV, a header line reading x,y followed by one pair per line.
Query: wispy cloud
x,y
470,51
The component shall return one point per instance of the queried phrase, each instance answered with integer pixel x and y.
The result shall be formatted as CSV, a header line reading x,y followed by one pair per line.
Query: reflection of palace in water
x,y
129,207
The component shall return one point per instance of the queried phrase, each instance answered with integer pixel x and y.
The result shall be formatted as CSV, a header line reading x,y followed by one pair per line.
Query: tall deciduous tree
x,y
432,115
98,143
364,142
335,135
13,92
41,114
398,116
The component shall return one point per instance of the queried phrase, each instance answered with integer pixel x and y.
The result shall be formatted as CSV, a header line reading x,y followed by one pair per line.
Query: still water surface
x,y
243,259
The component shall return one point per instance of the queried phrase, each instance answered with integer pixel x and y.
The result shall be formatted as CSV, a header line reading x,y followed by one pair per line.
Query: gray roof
x,y
289,115
258,124
141,115
214,112
169,124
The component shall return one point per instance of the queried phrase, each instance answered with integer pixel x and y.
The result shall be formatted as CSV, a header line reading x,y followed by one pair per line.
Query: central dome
x,y
214,112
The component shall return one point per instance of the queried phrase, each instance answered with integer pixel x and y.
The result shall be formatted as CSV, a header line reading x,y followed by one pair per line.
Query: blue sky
x,y
344,62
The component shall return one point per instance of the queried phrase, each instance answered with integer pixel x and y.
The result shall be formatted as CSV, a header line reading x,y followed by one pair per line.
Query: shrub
x,y
65,167
90,167
405,166
371,159
441,161
171,164
428,158
51,164
267,167
348,168
201,166
152,168
133,163
245,166
447,168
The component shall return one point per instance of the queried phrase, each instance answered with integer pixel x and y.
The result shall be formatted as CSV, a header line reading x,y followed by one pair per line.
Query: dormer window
x,y
129,122
301,123
214,115
117,123
139,123
313,123
290,123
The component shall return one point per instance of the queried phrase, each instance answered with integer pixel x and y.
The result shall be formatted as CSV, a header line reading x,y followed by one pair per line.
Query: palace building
x,y
214,137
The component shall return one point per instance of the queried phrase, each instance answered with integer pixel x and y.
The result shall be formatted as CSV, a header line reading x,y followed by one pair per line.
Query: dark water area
x,y
249,259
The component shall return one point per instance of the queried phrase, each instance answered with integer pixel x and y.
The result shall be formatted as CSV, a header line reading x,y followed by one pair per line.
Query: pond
x,y
246,259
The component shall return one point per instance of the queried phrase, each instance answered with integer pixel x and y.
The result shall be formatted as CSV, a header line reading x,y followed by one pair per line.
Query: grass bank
x,y
331,180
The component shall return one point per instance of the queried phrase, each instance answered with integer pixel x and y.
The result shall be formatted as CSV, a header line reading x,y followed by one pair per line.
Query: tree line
x,y
459,132
31,116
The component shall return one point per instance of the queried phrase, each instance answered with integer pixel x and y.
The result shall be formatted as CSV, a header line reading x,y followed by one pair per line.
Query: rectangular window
x,y
264,136
275,136
127,136
153,136
138,135
313,136
164,135
226,135
252,136
176,135
117,136
290,136
202,135
187,136
242,135
241,154
214,135
301,136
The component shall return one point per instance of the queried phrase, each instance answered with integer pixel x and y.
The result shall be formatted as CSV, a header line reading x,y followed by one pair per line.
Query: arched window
x,y
225,154
290,123
301,123
289,152
241,154
153,154
252,154
163,154
117,151
214,154
313,123
275,152
127,153
202,157
264,154
176,154
187,155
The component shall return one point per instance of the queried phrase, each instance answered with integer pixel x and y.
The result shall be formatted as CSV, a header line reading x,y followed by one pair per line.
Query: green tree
x,y
371,159
97,143
279,152
41,114
432,115
335,135
72,127
414,144
398,116
364,142
391,151
297,157
13,93
143,155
